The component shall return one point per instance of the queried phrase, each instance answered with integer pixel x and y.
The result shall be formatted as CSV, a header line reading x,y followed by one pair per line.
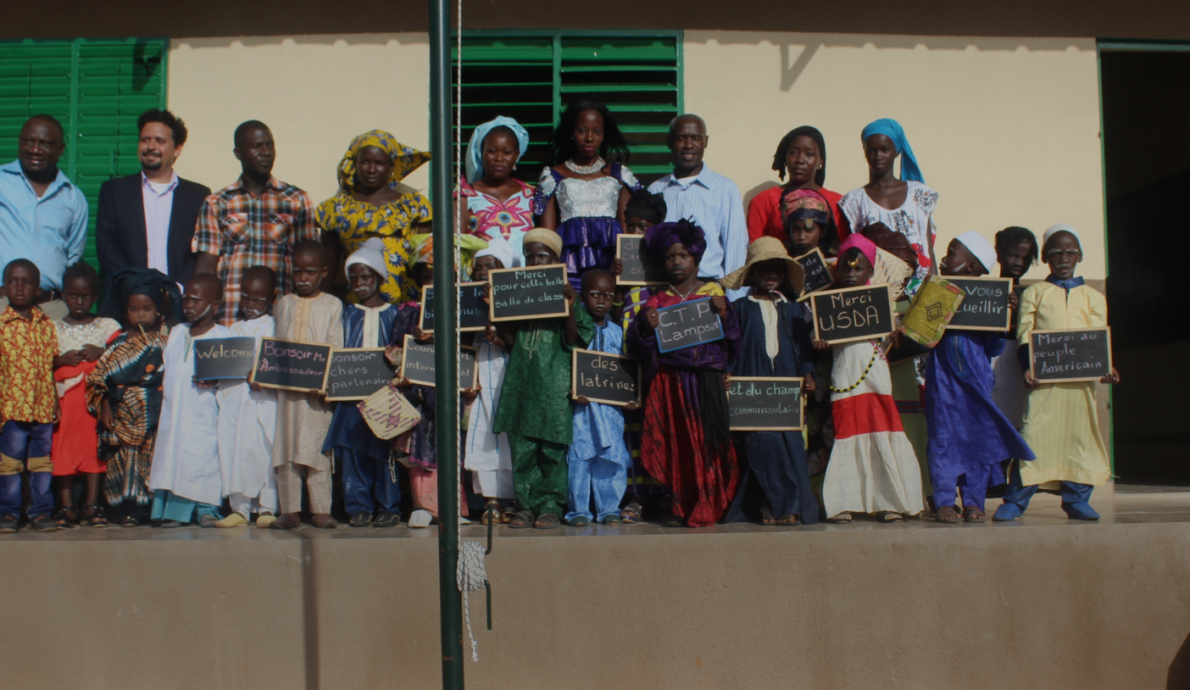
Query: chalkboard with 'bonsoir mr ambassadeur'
x,y
291,365
1082,354
850,314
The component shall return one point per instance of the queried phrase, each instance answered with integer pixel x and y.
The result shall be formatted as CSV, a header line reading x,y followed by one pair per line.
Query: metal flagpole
x,y
445,355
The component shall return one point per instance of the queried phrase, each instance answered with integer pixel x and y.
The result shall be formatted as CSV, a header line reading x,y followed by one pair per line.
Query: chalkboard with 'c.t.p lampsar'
x,y
473,313
528,293
850,314
605,378
291,364
985,304
224,358
418,364
357,372
688,324
757,403
1080,354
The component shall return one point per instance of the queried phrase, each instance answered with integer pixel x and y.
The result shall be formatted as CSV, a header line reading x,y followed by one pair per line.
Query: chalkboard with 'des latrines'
x,y
418,365
527,293
356,373
224,358
688,324
818,274
765,404
473,313
637,266
605,378
1082,354
291,365
850,314
985,304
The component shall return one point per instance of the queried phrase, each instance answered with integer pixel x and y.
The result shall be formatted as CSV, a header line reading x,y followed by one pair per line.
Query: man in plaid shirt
x,y
253,222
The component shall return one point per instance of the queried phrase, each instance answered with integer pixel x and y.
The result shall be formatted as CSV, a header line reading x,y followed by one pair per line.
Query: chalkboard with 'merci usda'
x,y
688,324
291,365
357,372
850,314
1082,354
765,404
224,358
528,293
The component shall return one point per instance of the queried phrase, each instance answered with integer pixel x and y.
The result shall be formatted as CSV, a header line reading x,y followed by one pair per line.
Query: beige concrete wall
x,y
314,92
1007,130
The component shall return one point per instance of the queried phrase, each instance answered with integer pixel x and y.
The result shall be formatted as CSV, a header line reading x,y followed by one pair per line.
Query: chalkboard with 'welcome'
x,y
224,358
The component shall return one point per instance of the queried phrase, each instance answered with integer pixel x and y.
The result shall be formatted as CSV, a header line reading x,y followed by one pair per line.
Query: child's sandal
x,y
98,519
766,516
547,521
843,518
947,515
63,519
491,513
129,521
631,513
973,514
887,516
522,520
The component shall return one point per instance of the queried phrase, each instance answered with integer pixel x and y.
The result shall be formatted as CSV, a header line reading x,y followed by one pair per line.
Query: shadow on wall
x,y
1179,669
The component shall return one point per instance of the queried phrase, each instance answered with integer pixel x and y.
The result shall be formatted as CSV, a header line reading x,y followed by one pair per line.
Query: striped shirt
x,y
714,203
246,231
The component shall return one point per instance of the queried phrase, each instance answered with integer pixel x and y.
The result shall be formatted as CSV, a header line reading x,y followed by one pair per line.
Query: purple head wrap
x,y
662,236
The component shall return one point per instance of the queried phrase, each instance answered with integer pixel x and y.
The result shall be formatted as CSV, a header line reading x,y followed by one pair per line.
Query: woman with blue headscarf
x,y
905,205
497,204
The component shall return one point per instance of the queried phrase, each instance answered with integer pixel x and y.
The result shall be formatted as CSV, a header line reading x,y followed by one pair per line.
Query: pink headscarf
x,y
862,243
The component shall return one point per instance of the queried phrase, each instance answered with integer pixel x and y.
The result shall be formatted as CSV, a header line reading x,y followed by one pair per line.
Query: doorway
x,y
1145,96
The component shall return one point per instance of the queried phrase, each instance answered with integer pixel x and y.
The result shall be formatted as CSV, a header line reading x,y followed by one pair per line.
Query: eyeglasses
x,y
1059,253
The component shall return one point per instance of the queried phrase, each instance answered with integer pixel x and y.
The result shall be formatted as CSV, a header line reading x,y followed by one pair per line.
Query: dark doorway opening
x,y
1146,105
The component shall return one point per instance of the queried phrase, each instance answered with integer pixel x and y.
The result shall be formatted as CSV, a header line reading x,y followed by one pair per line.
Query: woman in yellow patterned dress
x,y
369,204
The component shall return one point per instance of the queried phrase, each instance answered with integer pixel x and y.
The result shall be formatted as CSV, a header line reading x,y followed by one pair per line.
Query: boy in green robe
x,y
534,406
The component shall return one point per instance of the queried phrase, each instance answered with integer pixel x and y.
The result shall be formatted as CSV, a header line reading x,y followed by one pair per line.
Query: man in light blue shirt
x,y
693,192
43,215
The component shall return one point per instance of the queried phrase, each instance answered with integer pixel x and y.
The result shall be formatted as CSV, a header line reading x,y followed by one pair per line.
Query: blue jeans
x,y
365,476
607,479
1018,494
21,444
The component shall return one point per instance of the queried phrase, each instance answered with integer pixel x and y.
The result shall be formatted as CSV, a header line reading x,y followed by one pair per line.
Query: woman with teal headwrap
x,y
905,205
493,203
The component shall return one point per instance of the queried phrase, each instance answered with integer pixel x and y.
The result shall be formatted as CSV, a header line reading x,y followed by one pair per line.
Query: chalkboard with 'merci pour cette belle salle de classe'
x,y
850,314
528,293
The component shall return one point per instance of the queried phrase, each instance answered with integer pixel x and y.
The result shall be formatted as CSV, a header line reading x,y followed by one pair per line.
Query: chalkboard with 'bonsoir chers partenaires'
x,y
473,313
357,372
850,314
818,274
688,324
291,365
605,378
224,358
418,365
985,304
637,267
527,293
765,404
1081,354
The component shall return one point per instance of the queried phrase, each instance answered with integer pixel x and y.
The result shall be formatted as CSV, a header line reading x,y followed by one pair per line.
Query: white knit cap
x,y
980,248
1062,227
502,250
371,254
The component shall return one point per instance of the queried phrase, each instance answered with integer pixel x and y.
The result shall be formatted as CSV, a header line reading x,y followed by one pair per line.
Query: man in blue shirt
x,y
693,192
43,215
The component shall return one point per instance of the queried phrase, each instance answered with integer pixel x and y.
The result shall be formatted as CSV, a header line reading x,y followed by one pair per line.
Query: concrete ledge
x,y
1043,602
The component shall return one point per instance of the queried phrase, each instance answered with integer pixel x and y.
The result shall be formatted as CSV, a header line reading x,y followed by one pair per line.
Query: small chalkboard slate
x,y
688,324
605,378
291,365
1081,354
356,373
818,274
850,314
985,304
417,364
765,404
527,293
473,313
637,267
224,358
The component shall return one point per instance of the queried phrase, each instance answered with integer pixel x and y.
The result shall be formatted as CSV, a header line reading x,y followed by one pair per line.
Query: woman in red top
x,y
801,153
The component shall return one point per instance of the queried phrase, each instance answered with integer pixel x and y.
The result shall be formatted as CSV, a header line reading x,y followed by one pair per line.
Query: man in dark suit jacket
x,y
147,220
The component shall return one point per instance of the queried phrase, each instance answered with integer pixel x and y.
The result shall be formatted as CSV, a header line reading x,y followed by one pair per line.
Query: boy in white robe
x,y
185,475
248,414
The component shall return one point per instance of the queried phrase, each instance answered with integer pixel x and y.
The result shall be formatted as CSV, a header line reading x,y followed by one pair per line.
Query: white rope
x,y
470,573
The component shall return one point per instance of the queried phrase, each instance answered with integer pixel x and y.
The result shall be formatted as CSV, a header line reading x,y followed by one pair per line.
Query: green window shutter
x,y
533,75
97,89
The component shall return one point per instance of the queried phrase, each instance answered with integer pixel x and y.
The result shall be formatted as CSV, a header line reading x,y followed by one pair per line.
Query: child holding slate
x,y
367,469
598,459
1061,419
81,341
1016,249
488,454
687,437
775,341
185,477
872,466
534,407
312,316
969,435
124,389
248,414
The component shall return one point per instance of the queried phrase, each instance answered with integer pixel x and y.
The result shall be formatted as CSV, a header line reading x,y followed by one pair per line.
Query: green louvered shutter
x,y
532,76
97,89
